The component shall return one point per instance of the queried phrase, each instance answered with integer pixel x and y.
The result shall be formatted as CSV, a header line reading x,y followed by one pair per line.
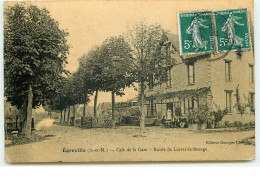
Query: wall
x,y
179,77
239,76
179,81
210,72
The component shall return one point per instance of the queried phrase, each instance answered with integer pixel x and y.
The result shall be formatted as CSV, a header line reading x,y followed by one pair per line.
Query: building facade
x,y
218,80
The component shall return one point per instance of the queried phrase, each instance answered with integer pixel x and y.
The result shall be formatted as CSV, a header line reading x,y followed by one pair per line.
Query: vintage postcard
x,y
129,81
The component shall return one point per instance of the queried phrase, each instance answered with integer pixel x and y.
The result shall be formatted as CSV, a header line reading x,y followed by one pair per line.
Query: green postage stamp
x,y
232,30
196,32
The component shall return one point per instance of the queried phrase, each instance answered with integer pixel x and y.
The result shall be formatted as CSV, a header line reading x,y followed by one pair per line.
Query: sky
x,y
90,22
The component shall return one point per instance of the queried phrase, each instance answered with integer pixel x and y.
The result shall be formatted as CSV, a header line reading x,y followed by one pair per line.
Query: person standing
x,y
168,117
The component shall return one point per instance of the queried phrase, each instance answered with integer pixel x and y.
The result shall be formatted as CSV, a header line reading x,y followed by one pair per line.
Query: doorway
x,y
170,107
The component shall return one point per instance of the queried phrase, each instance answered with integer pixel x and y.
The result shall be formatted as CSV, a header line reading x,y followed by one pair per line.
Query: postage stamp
x,y
196,32
232,30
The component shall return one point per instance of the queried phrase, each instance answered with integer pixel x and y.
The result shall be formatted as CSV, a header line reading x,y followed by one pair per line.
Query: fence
x,y
15,124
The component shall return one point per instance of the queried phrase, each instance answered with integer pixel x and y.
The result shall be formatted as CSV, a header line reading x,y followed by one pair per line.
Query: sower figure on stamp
x,y
229,28
194,29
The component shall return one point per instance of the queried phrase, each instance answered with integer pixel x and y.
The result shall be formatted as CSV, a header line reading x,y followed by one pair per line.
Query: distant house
x,y
10,111
128,103
12,117
105,107
203,79
79,111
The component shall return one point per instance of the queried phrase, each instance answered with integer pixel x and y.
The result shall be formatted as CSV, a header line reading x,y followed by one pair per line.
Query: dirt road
x,y
72,144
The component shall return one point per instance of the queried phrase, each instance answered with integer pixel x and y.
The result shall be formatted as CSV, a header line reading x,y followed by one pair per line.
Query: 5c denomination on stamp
x,y
232,30
196,32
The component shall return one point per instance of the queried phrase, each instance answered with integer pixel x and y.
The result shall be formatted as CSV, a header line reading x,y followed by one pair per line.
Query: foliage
x,y
237,123
219,114
252,107
76,91
91,69
149,57
108,67
91,73
59,99
118,67
241,107
70,92
35,50
128,112
128,115
200,115
178,111
192,117
118,64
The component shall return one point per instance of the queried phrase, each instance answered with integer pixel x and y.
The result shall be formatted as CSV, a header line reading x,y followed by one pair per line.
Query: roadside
x,y
63,139
48,128
38,134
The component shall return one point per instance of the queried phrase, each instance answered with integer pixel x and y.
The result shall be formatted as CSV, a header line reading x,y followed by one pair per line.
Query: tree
x,y
64,97
78,92
150,60
241,107
35,51
118,71
91,73
59,98
82,88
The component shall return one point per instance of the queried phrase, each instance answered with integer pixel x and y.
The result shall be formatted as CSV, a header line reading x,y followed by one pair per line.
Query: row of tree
x,y
119,62
35,55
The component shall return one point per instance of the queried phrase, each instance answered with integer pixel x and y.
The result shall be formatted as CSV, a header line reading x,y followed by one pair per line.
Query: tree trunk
x,y
95,106
142,107
74,114
28,129
60,116
24,115
16,120
74,111
64,116
113,125
68,118
84,114
84,110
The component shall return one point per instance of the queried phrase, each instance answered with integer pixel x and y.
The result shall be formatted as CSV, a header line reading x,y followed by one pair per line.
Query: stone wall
x,y
239,78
